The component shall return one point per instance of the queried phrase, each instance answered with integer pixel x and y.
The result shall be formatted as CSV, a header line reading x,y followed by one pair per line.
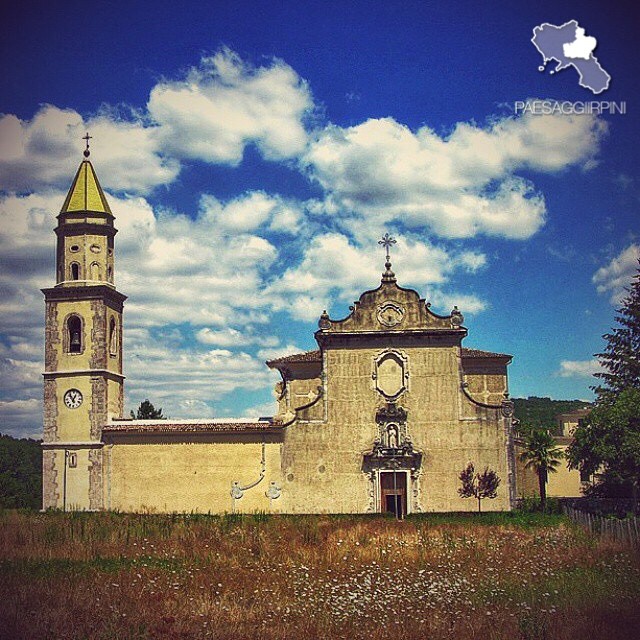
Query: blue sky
x,y
254,152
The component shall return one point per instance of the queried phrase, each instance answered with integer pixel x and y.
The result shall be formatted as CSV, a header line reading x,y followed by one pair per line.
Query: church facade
x,y
381,417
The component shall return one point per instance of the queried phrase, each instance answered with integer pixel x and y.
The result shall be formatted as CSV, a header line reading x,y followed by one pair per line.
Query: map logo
x,y
569,46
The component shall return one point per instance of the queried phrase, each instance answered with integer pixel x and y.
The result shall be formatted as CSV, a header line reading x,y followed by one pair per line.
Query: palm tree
x,y
543,455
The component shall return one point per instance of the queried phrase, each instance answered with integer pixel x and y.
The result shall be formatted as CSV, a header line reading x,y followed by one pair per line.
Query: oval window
x,y
95,248
74,248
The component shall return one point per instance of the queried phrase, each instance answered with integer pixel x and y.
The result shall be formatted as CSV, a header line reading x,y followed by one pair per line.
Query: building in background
x,y
565,482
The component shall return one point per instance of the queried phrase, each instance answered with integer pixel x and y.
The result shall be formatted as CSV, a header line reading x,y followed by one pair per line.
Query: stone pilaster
x,y
98,411
96,492
50,410
50,492
99,348
51,337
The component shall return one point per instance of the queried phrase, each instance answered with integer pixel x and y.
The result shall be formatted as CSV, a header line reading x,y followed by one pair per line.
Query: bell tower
x,y
83,381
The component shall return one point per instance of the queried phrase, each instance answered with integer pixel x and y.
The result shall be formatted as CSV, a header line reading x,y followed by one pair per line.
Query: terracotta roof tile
x,y
187,426
477,353
305,356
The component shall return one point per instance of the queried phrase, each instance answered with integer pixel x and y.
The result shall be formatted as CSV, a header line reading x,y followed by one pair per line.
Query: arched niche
x,y
73,338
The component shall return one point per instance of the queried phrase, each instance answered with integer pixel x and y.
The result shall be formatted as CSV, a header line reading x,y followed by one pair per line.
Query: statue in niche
x,y
392,436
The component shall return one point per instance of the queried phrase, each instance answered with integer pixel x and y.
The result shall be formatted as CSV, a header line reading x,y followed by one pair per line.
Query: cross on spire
x,y
86,138
387,242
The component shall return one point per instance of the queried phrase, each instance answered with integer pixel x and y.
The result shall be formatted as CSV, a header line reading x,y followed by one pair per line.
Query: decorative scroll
x,y
237,491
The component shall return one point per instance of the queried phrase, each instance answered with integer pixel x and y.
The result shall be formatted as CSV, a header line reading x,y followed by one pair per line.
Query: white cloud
x,y
21,418
225,104
183,380
578,368
467,303
45,151
175,268
219,108
334,268
230,337
458,186
615,276
250,212
263,409
270,353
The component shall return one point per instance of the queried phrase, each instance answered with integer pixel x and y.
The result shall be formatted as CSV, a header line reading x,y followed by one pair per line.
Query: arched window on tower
x,y
113,337
74,334
75,271
95,271
109,274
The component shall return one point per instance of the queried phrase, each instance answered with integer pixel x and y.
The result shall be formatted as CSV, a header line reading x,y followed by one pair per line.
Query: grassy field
x,y
113,576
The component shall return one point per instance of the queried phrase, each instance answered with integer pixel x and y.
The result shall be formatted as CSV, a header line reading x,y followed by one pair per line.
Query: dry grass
x,y
113,576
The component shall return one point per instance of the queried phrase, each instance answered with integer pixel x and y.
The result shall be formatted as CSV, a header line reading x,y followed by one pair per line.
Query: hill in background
x,y
542,412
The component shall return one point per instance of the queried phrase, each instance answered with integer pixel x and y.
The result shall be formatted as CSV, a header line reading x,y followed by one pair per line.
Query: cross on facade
x,y
387,241
87,137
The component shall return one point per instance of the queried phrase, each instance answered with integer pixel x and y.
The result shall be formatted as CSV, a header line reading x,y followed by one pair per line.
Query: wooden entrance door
x,y
393,493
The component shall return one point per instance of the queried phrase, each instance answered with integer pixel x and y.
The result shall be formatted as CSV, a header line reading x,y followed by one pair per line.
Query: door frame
x,y
380,508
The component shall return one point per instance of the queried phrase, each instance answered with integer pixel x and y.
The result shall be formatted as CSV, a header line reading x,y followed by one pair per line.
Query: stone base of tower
x,y
72,477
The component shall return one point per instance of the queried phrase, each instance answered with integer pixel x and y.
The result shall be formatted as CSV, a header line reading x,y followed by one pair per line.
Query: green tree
x,y
621,356
609,443
478,485
541,454
20,473
146,411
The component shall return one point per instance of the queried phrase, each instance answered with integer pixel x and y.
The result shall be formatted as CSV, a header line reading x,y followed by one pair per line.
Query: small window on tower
x,y
109,274
74,335
113,337
75,271
95,271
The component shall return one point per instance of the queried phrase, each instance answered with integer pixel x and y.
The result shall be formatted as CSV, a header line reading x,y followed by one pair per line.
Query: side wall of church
x,y
322,462
156,474
488,388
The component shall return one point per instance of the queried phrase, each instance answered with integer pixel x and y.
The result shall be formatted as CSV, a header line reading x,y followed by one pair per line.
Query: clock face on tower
x,y
73,398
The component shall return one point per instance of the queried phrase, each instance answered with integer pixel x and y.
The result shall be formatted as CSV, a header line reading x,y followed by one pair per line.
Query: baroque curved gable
x,y
391,308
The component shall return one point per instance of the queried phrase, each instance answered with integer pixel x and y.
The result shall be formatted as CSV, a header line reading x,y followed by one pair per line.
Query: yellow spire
x,y
86,194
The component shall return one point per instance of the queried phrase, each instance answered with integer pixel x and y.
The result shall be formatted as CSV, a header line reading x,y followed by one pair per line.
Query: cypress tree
x,y
621,356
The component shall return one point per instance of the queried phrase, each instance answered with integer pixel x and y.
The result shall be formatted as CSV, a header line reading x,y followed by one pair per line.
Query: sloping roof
x,y
188,426
305,356
85,193
477,353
